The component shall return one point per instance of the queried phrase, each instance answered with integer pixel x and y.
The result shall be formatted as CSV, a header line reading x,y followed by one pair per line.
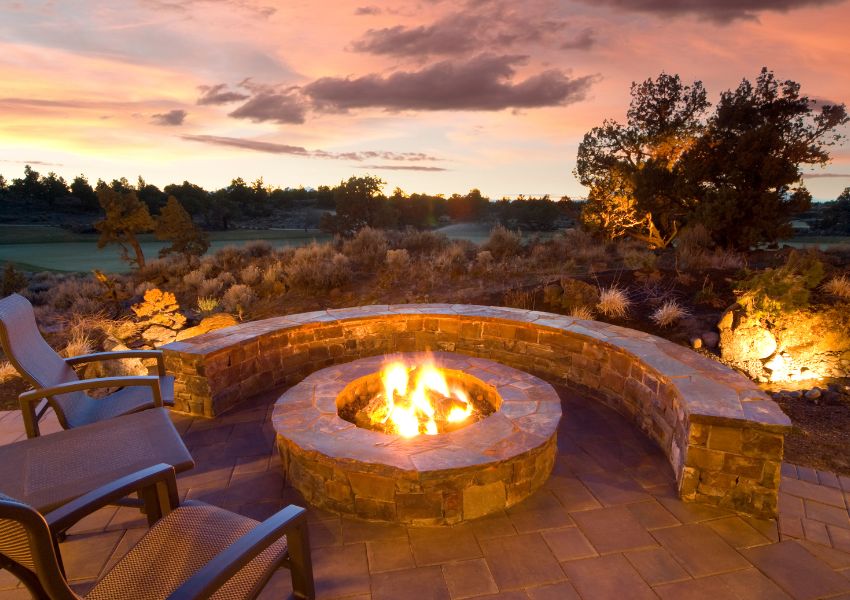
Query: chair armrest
x,y
291,521
152,381
119,354
31,415
157,487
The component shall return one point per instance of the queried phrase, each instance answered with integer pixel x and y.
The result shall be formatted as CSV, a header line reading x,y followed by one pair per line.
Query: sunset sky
x,y
432,96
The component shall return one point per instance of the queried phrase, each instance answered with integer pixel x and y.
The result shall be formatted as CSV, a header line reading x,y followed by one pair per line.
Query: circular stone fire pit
x,y
440,479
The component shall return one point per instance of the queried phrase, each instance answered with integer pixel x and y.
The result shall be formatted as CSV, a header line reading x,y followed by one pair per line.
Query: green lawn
x,y
40,248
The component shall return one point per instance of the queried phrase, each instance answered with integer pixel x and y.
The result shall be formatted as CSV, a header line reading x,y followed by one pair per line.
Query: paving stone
x,y
556,591
469,578
568,544
495,525
521,561
574,496
607,578
434,545
796,570
84,556
700,550
750,584
423,582
613,529
812,491
737,532
791,527
389,555
540,511
652,515
831,556
340,570
839,537
611,491
364,531
325,533
791,506
708,588
827,514
815,531
656,566
689,512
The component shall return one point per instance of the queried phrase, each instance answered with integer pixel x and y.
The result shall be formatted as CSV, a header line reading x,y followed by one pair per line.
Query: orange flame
x,y
409,409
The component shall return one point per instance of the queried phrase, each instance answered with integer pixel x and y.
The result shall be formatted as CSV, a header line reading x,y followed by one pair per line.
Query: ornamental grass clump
x,y
669,313
838,287
614,302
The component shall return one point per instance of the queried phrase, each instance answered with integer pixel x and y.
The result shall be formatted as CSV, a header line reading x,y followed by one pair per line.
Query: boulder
x,y
211,323
159,335
710,339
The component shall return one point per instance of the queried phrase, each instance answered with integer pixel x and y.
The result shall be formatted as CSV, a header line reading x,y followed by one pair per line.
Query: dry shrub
x,y
226,279
193,279
695,250
397,262
238,298
272,273
452,259
257,249
367,249
503,243
838,287
519,298
484,260
317,267
143,288
635,255
228,259
421,242
209,287
250,275
614,302
669,313
582,312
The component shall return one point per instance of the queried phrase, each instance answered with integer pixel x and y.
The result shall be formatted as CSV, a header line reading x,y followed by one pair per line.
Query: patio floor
x,y
606,525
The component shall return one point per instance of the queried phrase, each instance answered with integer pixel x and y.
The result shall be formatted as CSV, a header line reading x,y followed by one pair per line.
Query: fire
x,y
410,394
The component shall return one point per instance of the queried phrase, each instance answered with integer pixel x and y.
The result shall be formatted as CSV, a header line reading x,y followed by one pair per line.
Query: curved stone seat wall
x,y
722,435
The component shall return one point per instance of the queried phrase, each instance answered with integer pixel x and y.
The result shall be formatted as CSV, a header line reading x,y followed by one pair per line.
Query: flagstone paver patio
x,y
607,524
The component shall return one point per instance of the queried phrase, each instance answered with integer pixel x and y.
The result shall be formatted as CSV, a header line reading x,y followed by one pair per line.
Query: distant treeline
x,y
350,205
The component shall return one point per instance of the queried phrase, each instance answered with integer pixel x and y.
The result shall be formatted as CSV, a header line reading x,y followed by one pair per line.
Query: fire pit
x,y
418,438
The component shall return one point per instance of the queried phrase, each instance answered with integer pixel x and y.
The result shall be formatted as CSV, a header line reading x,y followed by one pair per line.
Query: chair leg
x,y
300,562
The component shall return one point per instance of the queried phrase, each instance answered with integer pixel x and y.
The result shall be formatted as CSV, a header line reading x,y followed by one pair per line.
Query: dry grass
x,y
317,267
78,343
582,312
669,313
519,299
838,287
614,302
7,371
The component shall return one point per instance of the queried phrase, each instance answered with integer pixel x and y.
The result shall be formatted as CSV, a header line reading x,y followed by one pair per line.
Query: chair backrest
x,y
34,359
28,552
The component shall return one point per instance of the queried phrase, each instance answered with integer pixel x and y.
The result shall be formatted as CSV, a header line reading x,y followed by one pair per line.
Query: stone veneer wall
x,y
722,435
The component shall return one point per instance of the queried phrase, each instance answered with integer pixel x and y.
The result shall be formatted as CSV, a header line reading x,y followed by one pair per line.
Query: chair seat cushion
x,y
177,547
127,400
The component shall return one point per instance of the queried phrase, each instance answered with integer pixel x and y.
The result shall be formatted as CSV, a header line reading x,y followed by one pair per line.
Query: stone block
x,y
374,487
480,500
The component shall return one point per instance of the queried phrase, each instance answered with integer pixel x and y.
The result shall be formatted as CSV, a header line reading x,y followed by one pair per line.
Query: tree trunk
x,y
137,248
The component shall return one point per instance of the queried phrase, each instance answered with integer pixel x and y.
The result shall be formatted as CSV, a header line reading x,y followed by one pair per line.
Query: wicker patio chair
x,y
51,470
193,551
54,379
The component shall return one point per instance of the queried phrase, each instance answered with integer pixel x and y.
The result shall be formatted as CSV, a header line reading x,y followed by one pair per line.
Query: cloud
x,y
584,40
367,10
38,163
720,11
270,105
481,25
276,148
826,175
403,168
481,83
171,119
219,94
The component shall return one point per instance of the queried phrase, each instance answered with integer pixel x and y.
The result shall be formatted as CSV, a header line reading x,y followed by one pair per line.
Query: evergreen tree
x,y
175,225
125,217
